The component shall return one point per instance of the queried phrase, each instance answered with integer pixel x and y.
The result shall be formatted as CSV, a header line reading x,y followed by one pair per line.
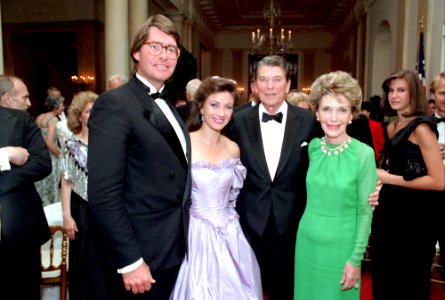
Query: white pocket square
x,y
304,144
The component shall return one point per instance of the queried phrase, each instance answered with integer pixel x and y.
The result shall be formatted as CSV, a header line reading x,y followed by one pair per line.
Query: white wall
x,y
381,63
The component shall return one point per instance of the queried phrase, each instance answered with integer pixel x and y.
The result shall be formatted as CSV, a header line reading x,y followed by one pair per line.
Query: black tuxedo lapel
x,y
293,124
157,118
169,133
256,140
7,122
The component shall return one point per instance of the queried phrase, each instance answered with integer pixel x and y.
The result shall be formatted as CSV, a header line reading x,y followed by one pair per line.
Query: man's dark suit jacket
x,y
285,196
23,222
243,106
184,111
139,178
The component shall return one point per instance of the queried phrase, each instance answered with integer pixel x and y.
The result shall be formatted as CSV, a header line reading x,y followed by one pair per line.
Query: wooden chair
x,y
53,259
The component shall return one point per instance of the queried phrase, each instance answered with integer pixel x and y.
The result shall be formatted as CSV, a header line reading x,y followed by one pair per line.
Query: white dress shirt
x,y
441,130
272,133
4,160
4,166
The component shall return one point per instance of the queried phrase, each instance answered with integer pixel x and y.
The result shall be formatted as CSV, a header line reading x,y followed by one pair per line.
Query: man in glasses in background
x,y
138,163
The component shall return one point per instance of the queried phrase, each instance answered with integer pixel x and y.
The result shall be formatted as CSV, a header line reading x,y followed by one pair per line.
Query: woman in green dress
x,y
334,230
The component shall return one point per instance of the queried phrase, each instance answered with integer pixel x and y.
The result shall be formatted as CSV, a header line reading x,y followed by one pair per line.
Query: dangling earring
x,y
350,122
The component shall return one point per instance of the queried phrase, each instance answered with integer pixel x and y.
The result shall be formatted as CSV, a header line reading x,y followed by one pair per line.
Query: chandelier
x,y
274,39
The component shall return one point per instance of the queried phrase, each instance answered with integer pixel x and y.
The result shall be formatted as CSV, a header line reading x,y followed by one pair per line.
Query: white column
x,y
186,36
138,15
116,38
178,19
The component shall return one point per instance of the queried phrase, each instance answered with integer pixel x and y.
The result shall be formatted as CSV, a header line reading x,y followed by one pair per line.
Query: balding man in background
x,y
116,81
24,159
190,90
14,93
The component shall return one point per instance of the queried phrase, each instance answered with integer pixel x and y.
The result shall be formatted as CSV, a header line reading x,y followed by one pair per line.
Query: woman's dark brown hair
x,y
208,87
418,103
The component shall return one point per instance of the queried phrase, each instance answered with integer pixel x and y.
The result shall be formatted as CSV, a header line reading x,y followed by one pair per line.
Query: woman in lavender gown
x,y
220,262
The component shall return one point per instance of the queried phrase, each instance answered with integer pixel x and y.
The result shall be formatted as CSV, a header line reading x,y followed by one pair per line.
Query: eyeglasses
x,y
155,48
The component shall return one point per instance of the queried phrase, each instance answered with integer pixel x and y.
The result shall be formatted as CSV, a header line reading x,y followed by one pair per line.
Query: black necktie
x,y
278,117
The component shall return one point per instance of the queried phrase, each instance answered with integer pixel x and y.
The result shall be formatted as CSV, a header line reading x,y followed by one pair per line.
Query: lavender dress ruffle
x,y
221,264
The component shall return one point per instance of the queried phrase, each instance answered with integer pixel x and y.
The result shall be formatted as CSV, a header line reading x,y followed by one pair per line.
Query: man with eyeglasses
x,y
139,175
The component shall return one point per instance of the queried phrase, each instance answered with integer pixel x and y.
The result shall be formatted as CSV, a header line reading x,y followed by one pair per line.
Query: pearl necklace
x,y
336,150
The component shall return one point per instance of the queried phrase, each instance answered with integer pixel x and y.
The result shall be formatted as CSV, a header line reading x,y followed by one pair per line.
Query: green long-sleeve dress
x,y
336,223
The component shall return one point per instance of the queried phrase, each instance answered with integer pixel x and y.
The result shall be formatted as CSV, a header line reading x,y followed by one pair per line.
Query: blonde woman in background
x,y
83,259
299,99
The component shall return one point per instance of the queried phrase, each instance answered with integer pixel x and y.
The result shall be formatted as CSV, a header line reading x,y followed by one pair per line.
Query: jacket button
x,y
172,175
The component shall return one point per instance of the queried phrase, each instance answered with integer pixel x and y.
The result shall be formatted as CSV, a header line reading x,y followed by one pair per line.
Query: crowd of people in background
x,y
213,199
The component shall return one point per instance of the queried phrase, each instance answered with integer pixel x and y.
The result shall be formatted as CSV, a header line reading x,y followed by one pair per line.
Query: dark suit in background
x,y
359,129
184,111
23,224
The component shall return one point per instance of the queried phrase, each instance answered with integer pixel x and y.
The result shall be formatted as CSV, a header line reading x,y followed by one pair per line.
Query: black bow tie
x,y
438,120
278,117
159,95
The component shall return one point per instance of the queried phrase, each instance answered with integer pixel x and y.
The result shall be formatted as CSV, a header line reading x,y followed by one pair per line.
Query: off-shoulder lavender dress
x,y
221,264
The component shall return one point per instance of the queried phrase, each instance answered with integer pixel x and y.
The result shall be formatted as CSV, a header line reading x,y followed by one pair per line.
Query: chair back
x,y
53,259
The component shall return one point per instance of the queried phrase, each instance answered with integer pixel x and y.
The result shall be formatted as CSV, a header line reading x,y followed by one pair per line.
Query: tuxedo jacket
x,y
285,195
23,221
139,178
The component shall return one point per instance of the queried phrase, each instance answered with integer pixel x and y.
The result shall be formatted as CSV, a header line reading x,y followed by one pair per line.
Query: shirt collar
x,y
152,88
437,115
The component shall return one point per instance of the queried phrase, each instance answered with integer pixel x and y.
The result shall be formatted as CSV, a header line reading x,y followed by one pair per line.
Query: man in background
x,y
437,90
190,90
17,96
116,81
431,107
24,159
